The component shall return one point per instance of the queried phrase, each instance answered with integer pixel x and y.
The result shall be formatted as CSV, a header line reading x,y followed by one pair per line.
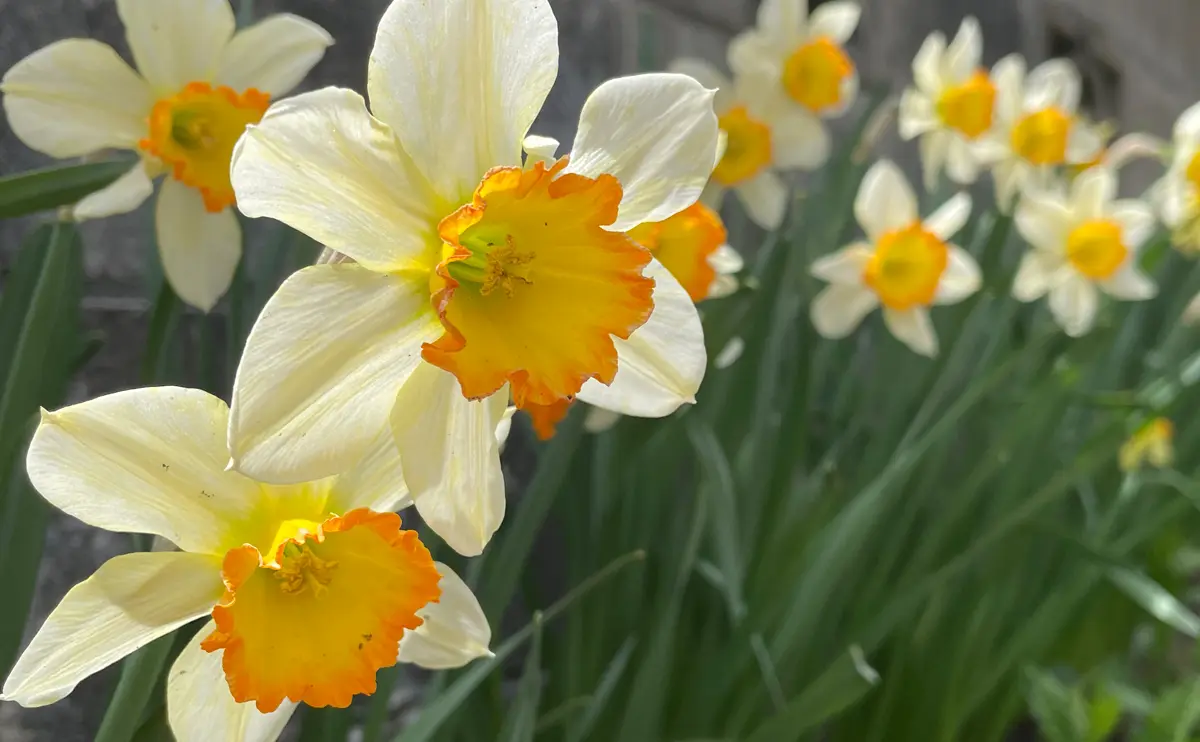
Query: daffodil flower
x,y
952,106
1178,193
197,85
475,275
1038,127
906,265
761,137
1083,242
1151,445
312,588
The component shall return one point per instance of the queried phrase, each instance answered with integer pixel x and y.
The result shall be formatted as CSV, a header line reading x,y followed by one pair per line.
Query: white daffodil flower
x,y
197,85
906,265
952,106
1082,243
476,274
1038,126
312,588
761,138
1178,193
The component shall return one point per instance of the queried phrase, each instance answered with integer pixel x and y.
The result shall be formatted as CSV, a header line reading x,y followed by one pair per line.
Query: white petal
x,y
845,266
75,97
847,94
273,55
461,82
916,115
885,201
1074,303
725,260
200,706
175,42
143,461
1009,77
935,149
962,161
1136,219
722,286
122,196
1135,146
321,370
964,53
504,427
913,328
1130,284
783,18
657,133
454,631
451,457
200,250
1191,313
540,149
1187,128
730,353
927,64
1084,142
960,279
754,58
1174,197
799,140
838,310
835,20
1034,275
708,76
599,419
765,199
320,163
661,365
1054,82
1010,176
376,482
1092,191
950,217
1044,220
129,602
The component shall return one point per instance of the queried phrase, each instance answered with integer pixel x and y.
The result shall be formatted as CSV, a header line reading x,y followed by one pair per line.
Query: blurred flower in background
x,y
1152,445
1178,193
198,84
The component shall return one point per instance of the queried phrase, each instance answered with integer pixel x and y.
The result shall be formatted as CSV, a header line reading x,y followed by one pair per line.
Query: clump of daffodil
x,y
1038,129
1082,242
906,265
1151,445
951,107
311,588
476,274
197,85
1178,193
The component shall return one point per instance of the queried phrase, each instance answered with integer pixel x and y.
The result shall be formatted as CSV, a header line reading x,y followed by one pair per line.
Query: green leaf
x,y
61,185
604,691
836,691
522,715
718,489
1175,715
1104,713
139,676
1156,600
1060,711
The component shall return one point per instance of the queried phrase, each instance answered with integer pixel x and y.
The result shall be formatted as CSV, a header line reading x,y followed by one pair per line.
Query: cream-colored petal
x,y
1035,275
461,81
1056,83
782,19
835,20
962,161
1084,143
950,217
122,196
175,42
657,134
963,54
847,94
200,707
927,64
129,602
599,419
722,286
661,365
1173,195
961,278
1074,303
504,427
765,199
1092,191
1134,146
916,115
1130,284
730,354
845,266
1009,77
1044,221
839,309
320,163
708,76
454,631
1010,177
913,328
885,201
754,58
200,250
799,140
935,149
1136,219
725,260
321,370
143,461
75,97
1187,128
540,149
450,457
274,55
376,482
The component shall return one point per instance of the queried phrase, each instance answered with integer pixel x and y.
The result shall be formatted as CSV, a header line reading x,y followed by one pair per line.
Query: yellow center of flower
x,y
1152,444
531,289
194,132
683,244
967,108
1095,248
314,621
1041,137
906,267
814,74
747,147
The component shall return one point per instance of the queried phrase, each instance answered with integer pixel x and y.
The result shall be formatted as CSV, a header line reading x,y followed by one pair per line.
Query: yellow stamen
x,y
1041,137
300,568
968,107
1096,249
907,267
814,74
747,147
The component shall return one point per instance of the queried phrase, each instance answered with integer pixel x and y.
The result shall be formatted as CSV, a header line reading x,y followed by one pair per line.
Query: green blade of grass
x,y
52,187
